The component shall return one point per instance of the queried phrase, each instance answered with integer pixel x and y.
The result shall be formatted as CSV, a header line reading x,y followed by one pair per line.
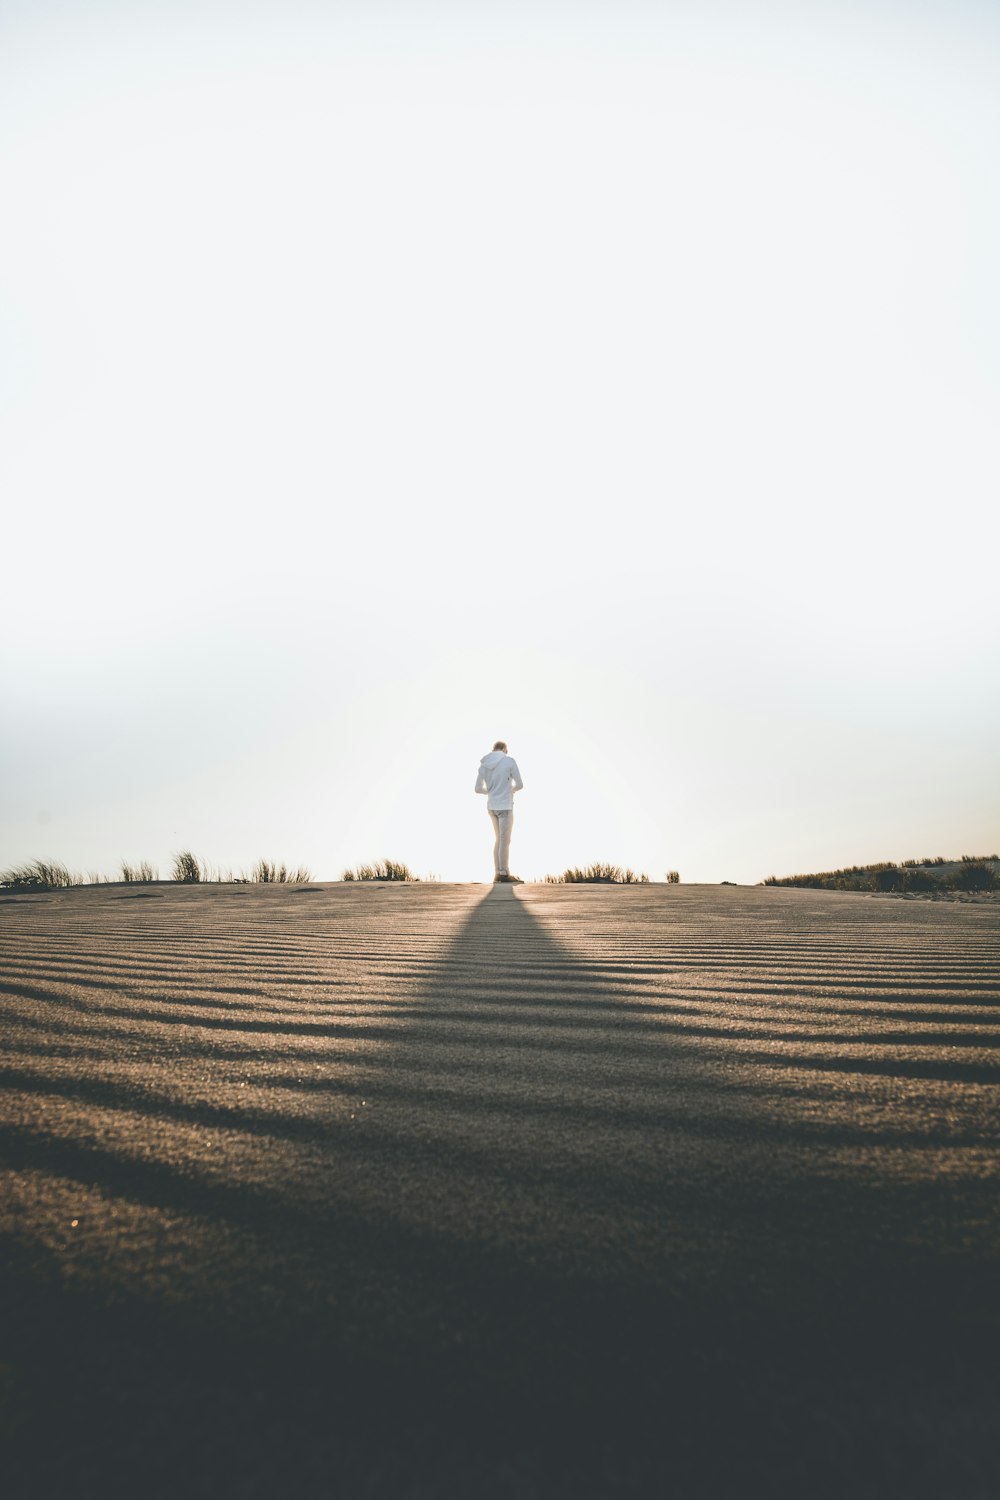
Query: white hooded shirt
x,y
498,780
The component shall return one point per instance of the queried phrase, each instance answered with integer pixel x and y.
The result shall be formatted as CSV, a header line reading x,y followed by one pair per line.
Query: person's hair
x,y
501,745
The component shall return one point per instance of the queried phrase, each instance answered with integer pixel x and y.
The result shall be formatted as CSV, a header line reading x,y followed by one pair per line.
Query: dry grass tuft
x,y
39,875
266,872
188,869
383,869
598,874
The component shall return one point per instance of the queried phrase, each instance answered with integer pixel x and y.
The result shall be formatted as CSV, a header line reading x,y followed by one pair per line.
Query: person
x,y
497,780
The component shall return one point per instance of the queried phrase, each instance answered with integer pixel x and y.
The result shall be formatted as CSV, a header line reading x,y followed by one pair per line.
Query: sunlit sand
x,y
417,1190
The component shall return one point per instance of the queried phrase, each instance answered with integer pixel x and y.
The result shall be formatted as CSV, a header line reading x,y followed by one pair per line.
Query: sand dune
x,y
425,1190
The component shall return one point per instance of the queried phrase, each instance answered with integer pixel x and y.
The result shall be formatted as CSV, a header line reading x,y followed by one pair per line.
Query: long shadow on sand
x,y
545,1236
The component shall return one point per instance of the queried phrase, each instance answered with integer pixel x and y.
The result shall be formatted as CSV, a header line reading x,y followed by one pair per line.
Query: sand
x,y
415,1191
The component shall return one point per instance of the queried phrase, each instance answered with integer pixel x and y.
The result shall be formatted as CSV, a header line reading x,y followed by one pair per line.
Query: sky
x,y
617,379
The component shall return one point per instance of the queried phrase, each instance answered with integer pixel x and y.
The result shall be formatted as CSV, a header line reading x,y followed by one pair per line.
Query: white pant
x,y
503,822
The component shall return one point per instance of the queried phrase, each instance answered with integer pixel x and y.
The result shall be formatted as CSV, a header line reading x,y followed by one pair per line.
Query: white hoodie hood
x,y
498,779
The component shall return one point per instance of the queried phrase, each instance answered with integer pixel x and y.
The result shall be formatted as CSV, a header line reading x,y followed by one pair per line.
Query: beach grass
x,y
970,872
188,868
39,875
269,872
598,874
141,874
383,869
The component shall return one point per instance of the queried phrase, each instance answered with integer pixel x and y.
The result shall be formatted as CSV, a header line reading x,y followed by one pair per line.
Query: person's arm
x,y
481,782
515,775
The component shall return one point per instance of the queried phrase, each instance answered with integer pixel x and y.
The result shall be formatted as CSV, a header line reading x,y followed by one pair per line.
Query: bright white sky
x,y
619,379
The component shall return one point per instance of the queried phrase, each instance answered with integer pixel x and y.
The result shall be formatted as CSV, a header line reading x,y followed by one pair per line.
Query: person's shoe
x,y
497,879
511,879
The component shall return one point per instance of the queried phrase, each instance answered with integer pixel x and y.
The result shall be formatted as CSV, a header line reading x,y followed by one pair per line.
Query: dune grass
x,y
39,875
598,874
267,872
383,869
190,870
674,877
972,872
187,868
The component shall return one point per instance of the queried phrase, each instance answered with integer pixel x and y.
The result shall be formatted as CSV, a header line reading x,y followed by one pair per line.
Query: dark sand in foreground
x,y
421,1191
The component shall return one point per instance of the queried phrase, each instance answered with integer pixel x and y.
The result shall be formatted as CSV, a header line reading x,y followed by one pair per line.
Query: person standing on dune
x,y
497,780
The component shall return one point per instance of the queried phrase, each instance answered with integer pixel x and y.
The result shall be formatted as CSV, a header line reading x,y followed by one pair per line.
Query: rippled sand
x,y
445,1190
